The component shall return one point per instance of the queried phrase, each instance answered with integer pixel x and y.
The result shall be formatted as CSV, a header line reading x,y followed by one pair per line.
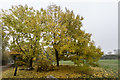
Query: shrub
x,y
85,69
44,65
94,64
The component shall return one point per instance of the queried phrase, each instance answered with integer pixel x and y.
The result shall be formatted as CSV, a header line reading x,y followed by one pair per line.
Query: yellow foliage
x,y
63,71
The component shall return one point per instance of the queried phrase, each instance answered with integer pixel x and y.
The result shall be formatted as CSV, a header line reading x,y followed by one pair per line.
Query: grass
x,y
108,68
109,65
65,63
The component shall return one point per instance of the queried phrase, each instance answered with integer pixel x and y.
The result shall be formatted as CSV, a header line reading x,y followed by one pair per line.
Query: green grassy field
x,y
109,65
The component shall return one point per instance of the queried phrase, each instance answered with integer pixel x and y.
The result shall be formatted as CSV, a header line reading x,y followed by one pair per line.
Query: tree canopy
x,y
68,39
32,29
24,25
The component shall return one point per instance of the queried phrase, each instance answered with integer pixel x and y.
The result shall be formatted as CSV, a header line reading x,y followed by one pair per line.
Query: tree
x,y
61,30
115,51
70,42
109,53
24,26
55,29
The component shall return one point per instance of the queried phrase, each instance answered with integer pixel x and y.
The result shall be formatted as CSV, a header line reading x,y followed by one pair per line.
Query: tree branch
x,y
19,46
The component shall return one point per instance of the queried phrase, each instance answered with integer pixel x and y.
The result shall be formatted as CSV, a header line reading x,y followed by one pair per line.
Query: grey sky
x,y
100,17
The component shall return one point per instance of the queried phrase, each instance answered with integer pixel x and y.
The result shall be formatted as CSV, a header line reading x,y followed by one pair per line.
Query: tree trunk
x,y
30,63
57,59
15,71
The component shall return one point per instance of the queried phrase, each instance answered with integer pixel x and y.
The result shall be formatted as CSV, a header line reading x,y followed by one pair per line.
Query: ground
x,y
67,69
109,65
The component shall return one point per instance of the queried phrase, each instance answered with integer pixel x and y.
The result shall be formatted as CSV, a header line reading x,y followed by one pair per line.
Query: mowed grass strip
x,y
65,62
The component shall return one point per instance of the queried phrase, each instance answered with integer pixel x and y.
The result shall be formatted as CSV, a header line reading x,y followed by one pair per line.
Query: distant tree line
x,y
112,56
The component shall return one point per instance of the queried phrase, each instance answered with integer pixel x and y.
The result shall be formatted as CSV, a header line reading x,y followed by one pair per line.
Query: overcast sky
x,y
100,17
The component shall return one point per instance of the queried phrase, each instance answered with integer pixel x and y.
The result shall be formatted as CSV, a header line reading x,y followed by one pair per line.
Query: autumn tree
x,y
55,29
61,30
24,26
67,38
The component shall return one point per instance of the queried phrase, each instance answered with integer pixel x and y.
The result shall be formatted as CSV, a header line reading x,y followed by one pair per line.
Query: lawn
x,y
109,65
108,68
65,62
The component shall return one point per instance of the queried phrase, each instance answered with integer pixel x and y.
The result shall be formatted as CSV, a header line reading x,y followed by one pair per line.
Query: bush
x,y
94,64
44,65
85,69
